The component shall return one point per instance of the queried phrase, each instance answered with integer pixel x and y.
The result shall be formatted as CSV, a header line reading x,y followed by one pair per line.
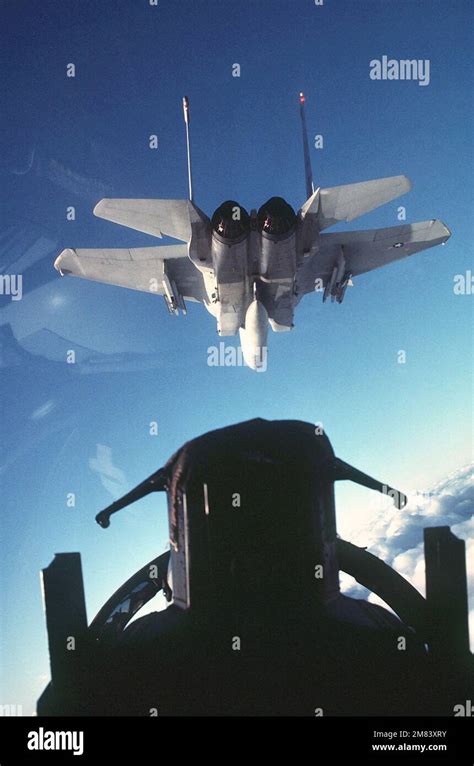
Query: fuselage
x,y
249,265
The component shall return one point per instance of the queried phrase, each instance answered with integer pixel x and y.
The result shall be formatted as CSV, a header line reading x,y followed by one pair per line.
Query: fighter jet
x,y
251,270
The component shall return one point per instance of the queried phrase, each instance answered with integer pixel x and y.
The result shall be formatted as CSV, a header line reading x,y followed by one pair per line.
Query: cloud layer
x,y
396,536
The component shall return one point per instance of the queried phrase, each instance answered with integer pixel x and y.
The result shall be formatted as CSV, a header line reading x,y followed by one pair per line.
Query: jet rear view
x,y
251,269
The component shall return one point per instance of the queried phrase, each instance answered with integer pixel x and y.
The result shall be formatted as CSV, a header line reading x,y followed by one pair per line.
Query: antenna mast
x,y
307,161
188,147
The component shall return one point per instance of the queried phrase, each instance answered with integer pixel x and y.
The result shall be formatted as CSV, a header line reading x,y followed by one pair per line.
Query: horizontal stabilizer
x,y
158,217
344,203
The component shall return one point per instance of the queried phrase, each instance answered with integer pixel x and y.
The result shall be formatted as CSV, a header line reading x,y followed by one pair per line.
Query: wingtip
x,y
61,260
408,183
446,229
99,207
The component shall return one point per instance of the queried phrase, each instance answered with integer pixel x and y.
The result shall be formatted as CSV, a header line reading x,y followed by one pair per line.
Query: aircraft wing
x,y
141,268
344,203
367,250
172,217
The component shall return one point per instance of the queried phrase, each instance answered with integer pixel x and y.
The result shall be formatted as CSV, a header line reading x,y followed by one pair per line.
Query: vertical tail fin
x,y
188,146
307,161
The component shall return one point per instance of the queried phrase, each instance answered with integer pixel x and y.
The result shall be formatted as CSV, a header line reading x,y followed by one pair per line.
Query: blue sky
x,y
71,141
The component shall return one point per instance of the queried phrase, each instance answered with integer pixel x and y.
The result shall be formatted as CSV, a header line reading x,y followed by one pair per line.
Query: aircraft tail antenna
x,y
307,161
188,146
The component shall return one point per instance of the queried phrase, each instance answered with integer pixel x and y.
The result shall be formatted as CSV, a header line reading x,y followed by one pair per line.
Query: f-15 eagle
x,y
251,270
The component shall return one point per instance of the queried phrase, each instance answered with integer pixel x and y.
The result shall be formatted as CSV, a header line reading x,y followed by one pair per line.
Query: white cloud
x,y
396,536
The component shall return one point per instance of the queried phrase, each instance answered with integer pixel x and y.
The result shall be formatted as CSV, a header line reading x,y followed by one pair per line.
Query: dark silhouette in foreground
x,y
256,624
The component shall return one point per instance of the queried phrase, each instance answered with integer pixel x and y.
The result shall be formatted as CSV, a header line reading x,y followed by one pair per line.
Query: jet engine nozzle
x,y
276,218
230,222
